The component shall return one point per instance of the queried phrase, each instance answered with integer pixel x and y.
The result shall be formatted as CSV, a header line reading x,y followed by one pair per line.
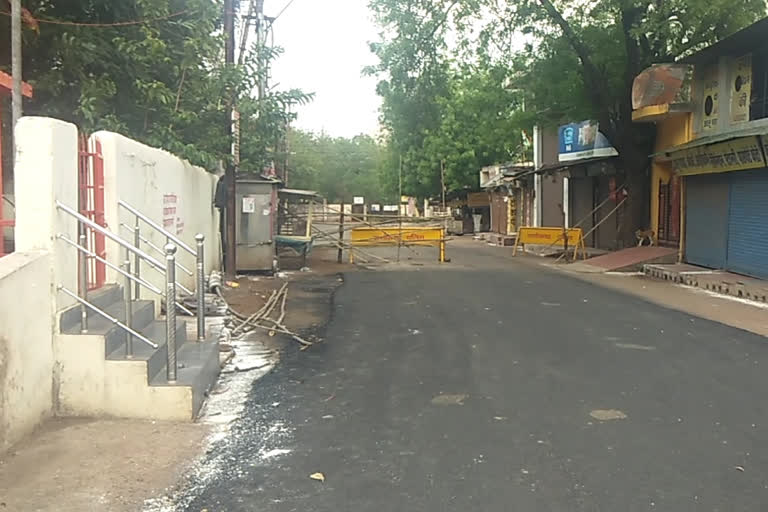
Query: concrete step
x,y
114,336
198,369
717,281
101,298
155,359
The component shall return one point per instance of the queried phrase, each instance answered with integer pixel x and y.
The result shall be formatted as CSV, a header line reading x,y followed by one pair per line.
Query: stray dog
x,y
645,234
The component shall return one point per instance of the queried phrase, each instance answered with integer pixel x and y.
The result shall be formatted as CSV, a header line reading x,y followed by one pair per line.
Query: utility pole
x,y
399,208
246,30
16,60
230,262
442,181
261,39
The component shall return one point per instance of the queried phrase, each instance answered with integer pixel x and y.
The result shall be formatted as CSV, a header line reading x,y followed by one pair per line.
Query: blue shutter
x,y
706,220
748,223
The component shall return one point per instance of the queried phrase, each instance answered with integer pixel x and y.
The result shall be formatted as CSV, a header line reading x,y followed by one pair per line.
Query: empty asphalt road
x,y
494,385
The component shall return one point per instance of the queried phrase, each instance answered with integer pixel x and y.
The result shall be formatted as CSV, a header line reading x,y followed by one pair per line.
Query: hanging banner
x,y
741,88
583,140
734,155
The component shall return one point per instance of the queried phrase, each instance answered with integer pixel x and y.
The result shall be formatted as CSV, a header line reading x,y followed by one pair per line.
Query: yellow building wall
x,y
672,131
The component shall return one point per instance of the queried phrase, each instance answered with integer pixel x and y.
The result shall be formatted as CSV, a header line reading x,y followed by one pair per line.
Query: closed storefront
x,y
706,231
552,200
499,211
727,221
748,223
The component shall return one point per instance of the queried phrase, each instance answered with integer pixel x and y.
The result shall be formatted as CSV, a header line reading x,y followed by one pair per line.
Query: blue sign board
x,y
583,140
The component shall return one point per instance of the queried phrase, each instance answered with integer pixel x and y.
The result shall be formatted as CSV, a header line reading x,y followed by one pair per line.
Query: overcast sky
x,y
326,48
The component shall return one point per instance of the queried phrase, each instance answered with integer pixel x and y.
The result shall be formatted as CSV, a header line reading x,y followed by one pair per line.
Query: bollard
x,y
170,310
200,239
83,282
128,309
137,258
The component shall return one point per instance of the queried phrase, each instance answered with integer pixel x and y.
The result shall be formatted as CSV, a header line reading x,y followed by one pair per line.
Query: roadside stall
x,y
294,223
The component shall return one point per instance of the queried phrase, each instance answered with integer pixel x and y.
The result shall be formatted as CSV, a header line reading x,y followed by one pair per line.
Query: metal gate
x,y
6,219
91,182
669,211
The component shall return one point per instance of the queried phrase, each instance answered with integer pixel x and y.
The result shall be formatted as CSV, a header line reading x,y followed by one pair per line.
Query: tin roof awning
x,y
751,131
737,43
562,166
297,192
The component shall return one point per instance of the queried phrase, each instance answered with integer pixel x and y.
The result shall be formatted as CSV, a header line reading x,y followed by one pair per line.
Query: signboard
x,y
741,88
171,220
552,237
358,200
733,155
249,204
377,208
583,140
660,84
478,199
547,236
710,101
422,236
389,236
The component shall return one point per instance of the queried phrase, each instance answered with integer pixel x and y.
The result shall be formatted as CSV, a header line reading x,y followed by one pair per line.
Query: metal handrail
x,y
114,267
173,238
122,272
115,238
108,317
168,270
156,248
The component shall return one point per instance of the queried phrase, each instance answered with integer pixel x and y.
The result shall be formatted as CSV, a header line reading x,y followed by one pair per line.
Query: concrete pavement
x,y
495,385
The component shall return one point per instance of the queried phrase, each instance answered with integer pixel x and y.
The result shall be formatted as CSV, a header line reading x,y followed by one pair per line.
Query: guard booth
x,y
255,225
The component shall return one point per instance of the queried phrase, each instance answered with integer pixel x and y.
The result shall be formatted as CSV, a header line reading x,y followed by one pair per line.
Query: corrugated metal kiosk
x,y
255,225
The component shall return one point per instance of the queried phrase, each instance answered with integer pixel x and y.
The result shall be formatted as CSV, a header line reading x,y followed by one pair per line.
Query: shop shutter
x,y
581,203
748,223
706,231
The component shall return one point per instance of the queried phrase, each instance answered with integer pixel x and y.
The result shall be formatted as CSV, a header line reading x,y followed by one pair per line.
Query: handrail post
x,y
137,258
128,309
200,239
170,310
83,281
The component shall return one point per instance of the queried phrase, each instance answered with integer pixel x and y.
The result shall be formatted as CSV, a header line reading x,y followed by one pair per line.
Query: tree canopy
x,y
152,70
338,168
566,61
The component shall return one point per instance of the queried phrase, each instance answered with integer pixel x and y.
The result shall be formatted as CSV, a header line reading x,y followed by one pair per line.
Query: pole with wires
x,y
399,208
16,60
231,171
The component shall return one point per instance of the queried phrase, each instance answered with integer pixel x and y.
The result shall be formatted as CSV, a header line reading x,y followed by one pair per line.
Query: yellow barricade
x,y
551,237
386,236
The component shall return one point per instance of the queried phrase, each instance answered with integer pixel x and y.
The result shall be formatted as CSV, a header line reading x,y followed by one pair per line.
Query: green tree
x,y
576,61
440,110
161,80
338,168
